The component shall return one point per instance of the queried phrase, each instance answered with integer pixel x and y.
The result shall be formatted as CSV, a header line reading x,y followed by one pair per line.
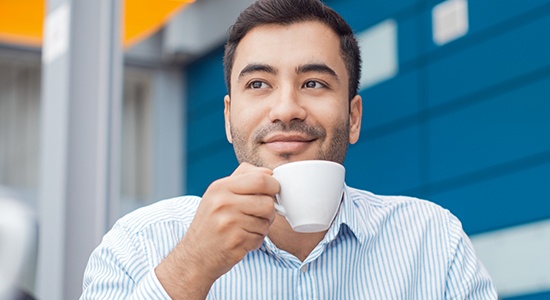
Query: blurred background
x,y
107,106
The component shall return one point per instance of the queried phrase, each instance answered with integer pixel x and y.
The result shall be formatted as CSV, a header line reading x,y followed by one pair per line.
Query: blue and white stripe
x,y
379,247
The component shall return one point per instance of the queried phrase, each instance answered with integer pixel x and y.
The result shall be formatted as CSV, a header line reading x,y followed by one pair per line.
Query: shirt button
x,y
303,268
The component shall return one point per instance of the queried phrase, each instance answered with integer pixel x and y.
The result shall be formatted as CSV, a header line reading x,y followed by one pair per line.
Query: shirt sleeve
x,y
117,269
467,278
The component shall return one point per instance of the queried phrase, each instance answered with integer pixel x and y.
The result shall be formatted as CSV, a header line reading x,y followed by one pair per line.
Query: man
x,y
292,72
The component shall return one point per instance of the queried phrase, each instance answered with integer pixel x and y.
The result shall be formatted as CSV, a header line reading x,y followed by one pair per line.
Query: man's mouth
x,y
287,142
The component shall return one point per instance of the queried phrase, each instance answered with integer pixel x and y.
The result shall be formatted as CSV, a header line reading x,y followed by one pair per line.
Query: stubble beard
x,y
248,151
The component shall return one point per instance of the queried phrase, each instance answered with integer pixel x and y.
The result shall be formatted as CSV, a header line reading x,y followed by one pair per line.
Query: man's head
x,y
290,76
286,12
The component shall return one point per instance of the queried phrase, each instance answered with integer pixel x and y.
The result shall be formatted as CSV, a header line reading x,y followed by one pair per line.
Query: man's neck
x,y
295,243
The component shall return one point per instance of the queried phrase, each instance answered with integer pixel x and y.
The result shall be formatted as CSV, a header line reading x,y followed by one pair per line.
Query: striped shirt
x,y
378,247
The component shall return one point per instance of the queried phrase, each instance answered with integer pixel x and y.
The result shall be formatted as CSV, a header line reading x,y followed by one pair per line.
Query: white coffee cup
x,y
311,192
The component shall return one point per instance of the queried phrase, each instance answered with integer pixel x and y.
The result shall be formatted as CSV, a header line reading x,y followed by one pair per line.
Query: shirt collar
x,y
348,216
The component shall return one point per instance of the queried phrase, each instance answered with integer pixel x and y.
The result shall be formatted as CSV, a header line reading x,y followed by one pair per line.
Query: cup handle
x,y
280,209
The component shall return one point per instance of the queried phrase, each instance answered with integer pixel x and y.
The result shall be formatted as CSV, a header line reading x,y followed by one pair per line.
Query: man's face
x,y
289,96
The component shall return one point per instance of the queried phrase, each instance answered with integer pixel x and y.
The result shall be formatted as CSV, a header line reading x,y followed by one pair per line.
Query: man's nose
x,y
287,106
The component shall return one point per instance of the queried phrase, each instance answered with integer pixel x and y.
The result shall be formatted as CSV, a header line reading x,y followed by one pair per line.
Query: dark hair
x,y
287,12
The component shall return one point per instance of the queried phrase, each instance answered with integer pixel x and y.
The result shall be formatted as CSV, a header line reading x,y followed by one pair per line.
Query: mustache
x,y
297,126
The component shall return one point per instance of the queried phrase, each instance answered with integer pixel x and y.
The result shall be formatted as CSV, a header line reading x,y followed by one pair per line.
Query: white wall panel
x,y
518,258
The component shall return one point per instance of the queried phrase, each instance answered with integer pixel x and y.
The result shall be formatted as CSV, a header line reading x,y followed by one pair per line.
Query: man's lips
x,y
287,143
287,137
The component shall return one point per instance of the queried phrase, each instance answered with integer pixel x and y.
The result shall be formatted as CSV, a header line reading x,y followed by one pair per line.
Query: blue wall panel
x,y
361,14
489,13
496,61
408,30
205,81
505,199
206,129
491,132
486,18
538,296
398,95
385,165
209,156
217,165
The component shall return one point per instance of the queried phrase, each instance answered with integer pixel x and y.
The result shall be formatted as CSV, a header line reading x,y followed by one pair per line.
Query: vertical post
x,y
81,111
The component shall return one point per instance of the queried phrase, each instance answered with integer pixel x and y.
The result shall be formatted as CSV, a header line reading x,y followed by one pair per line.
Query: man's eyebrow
x,y
251,68
319,68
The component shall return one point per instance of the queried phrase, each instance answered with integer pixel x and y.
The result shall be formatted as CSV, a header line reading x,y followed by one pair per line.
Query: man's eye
x,y
312,84
257,84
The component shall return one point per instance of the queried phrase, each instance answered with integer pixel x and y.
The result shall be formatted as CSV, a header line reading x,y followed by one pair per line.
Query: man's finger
x,y
260,206
254,183
255,225
246,167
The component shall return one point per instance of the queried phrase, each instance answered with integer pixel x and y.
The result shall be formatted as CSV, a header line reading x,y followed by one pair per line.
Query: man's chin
x,y
275,160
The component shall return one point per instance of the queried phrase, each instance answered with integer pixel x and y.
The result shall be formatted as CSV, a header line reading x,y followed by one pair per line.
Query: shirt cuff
x,y
151,288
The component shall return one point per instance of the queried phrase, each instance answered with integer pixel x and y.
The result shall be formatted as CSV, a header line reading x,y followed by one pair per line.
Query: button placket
x,y
307,285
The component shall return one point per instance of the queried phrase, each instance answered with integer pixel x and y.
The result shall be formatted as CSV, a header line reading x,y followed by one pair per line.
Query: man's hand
x,y
232,219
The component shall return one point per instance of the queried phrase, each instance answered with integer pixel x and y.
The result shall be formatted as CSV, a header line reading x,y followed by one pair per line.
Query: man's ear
x,y
355,115
227,117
